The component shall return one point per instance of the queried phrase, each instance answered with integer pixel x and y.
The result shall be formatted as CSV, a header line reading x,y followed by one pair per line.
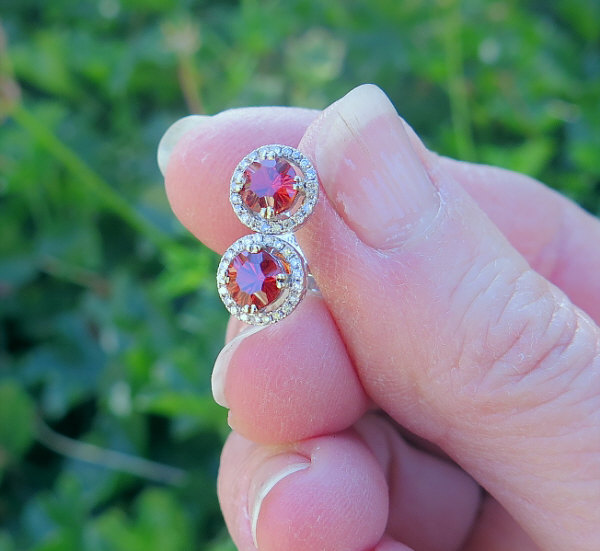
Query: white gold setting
x,y
293,286
306,184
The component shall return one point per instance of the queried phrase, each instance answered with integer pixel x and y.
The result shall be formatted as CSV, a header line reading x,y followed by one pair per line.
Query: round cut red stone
x,y
269,185
253,278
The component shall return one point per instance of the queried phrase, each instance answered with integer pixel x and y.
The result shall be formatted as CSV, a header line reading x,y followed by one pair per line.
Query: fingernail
x,y
278,468
172,136
234,328
370,170
219,374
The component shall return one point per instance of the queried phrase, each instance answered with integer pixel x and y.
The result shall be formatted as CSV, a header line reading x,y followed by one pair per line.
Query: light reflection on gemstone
x,y
269,186
252,277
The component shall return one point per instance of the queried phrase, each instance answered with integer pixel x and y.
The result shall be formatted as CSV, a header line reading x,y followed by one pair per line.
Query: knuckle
x,y
531,347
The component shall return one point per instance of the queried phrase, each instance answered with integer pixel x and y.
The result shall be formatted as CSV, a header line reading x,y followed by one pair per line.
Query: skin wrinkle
x,y
533,471
550,237
510,286
497,377
548,254
565,341
562,341
461,284
531,330
500,316
467,280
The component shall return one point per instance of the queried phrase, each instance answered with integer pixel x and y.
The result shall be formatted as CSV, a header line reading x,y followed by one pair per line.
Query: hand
x,y
453,347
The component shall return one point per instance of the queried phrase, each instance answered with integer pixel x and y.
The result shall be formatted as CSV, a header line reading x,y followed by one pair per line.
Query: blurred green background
x,y
109,320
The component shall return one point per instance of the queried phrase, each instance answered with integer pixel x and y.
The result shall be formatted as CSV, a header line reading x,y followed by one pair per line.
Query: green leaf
x,y
17,422
224,543
202,409
159,524
531,157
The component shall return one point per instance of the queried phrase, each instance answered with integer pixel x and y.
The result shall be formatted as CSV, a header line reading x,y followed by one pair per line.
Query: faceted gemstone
x,y
253,277
269,186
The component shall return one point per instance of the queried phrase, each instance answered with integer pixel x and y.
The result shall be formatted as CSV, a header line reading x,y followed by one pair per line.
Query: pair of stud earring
x,y
263,276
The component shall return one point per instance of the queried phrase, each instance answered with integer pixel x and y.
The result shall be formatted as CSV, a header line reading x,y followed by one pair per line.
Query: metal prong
x,y
237,187
253,309
270,155
254,248
246,308
281,280
267,212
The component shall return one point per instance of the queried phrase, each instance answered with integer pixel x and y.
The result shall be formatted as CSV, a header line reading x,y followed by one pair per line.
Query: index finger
x,y
201,165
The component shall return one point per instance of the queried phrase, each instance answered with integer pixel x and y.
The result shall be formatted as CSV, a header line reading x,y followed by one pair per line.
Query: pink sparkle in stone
x,y
253,278
269,183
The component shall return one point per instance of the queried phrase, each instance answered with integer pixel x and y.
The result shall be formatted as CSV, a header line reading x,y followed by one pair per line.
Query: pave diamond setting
x,y
261,279
274,189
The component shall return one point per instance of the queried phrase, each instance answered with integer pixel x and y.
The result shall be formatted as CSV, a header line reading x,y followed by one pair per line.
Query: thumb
x,y
451,331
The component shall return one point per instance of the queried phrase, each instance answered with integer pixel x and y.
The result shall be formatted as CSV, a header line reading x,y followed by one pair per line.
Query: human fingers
x,y
478,353
200,165
344,492
558,239
496,530
196,184
553,234
281,387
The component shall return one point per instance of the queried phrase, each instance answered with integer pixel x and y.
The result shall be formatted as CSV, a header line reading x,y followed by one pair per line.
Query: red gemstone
x,y
269,185
253,278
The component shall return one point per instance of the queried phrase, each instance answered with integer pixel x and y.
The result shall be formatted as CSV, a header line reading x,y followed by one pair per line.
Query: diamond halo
x,y
293,287
306,187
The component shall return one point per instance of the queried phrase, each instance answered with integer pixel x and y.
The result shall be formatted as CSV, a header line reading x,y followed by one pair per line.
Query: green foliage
x,y
109,323
16,423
